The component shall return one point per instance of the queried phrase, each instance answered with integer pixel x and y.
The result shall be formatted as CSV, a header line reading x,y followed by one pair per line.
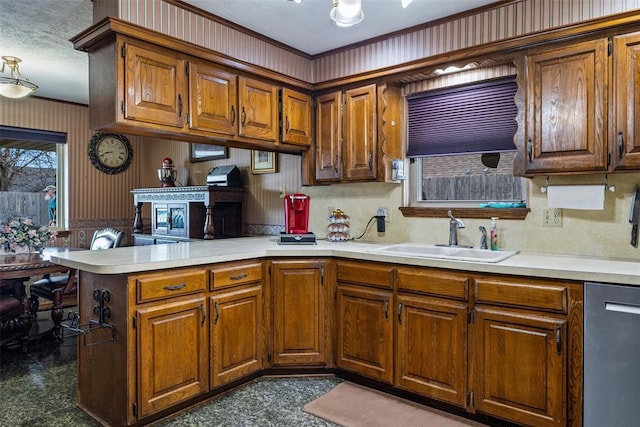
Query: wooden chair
x,y
57,288
15,315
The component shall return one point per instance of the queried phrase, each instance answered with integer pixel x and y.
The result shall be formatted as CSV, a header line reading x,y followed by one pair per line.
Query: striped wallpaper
x,y
502,22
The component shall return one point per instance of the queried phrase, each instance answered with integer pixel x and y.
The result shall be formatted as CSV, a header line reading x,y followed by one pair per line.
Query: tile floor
x,y
38,388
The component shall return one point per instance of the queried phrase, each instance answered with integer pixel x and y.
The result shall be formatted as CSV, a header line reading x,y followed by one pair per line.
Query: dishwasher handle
x,y
621,308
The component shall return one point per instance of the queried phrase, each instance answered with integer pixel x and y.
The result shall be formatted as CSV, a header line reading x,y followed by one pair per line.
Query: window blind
x,y
34,135
475,118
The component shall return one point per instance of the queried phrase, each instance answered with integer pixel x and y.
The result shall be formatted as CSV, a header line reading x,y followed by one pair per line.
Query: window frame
x,y
412,207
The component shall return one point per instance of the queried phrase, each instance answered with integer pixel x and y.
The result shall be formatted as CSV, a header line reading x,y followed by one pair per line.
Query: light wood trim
x,y
482,213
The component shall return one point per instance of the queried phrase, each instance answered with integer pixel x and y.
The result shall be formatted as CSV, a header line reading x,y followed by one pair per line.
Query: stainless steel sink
x,y
444,252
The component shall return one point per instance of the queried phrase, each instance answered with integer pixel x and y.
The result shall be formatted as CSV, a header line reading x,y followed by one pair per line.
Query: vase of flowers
x,y
19,235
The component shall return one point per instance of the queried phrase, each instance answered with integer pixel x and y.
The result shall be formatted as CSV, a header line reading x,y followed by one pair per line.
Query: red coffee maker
x,y
296,220
296,213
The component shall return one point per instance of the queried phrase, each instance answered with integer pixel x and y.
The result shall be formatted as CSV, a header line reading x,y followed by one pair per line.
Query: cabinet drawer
x,y
235,274
151,287
434,282
365,274
526,293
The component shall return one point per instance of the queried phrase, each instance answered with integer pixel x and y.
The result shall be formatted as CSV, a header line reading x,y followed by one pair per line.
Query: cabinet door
x,y
431,352
298,313
237,344
360,134
173,354
213,98
296,120
625,138
566,109
154,86
258,105
520,366
328,130
365,331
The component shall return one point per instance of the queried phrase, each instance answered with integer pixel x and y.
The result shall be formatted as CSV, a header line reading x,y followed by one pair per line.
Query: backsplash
x,y
605,233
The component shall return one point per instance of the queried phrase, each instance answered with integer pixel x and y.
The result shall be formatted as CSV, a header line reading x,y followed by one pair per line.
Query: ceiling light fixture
x,y
405,3
346,13
15,86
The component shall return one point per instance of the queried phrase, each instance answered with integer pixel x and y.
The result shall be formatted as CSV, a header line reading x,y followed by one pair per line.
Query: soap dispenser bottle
x,y
493,233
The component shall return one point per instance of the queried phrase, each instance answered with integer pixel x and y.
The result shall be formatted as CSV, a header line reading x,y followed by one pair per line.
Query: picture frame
x,y
263,162
206,152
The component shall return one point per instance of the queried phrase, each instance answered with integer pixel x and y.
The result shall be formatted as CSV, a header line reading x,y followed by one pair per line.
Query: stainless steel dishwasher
x,y
611,355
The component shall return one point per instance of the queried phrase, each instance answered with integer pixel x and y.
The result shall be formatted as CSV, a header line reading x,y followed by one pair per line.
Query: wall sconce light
x,y
346,13
15,86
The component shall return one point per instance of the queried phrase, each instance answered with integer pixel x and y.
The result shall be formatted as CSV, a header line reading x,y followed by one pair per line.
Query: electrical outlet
x,y
384,212
283,191
552,217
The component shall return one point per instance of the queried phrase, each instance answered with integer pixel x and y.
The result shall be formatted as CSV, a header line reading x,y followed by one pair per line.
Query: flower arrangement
x,y
23,235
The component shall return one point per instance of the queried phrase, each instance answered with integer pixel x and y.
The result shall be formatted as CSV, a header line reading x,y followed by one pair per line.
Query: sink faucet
x,y
454,224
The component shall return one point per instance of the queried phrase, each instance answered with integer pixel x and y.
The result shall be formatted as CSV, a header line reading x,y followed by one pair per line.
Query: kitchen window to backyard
x,y
31,175
460,142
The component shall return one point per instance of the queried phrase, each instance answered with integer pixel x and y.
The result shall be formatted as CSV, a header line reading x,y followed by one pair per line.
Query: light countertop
x,y
184,254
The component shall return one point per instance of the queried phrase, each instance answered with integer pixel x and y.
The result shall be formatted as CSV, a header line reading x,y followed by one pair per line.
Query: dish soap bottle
x,y
494,234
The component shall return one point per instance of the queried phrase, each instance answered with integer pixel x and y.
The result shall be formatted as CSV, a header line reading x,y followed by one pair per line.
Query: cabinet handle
x,y
529,150
620,145
179,105
400,313
558,340
233,115
386,309
335,164
215,319
175,287
239,276
204,315
243,117
286,120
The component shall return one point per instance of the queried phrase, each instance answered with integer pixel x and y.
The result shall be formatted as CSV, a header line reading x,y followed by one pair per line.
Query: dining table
x,y
17,268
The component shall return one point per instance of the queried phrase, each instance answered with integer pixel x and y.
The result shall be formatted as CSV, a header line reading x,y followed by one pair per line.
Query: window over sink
x,y
460,141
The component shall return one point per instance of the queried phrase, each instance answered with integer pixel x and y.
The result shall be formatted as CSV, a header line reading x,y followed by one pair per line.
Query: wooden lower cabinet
x,y
508,347
299,313
173,355
364,329
521,366
431,348
237,344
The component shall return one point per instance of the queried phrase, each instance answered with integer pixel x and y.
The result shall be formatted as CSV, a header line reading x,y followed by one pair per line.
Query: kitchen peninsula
x,y
195,318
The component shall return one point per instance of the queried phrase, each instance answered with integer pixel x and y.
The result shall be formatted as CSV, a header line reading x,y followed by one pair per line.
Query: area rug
x,y
351,405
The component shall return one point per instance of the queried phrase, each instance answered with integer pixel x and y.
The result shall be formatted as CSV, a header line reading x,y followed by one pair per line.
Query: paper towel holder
x,y
611,188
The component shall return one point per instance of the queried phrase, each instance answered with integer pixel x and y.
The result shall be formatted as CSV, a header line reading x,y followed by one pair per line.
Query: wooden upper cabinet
x,y
625,135
258,109
213,99
154,85
565,108
360,134
296,118
328,155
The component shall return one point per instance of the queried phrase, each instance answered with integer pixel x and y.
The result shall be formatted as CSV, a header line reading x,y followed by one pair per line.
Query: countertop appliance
x,y
226,176
611,355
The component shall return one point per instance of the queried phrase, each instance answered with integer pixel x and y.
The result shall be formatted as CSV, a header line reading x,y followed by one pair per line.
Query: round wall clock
x,y
110,153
